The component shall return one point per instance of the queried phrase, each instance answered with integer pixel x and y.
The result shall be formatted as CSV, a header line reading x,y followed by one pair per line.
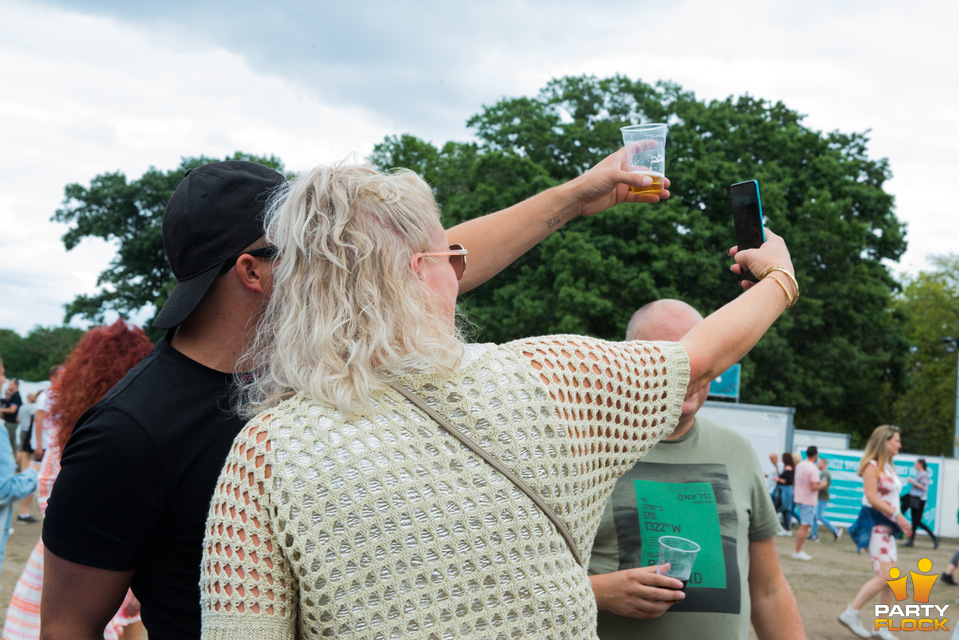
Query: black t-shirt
x,y
136,481
13,401
788,475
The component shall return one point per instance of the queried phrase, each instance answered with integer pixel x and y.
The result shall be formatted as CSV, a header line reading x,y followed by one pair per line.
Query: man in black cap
x,y
130,504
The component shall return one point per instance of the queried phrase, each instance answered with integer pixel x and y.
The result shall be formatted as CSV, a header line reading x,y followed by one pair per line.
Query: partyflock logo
x,y
921,616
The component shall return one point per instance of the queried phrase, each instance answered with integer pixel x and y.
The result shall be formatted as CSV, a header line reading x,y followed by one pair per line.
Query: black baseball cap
x,y
215,213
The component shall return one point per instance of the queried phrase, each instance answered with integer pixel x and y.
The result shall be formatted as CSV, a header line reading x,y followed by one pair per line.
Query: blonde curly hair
x,y
347,313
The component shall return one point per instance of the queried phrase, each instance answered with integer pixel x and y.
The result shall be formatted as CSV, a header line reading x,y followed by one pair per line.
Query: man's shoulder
x,y
163,389
806,471
807,466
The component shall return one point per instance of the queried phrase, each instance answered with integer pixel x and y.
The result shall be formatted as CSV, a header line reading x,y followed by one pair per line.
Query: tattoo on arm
x,y
553,222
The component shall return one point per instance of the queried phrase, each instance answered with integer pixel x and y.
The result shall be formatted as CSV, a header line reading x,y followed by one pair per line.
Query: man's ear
x,y
251,272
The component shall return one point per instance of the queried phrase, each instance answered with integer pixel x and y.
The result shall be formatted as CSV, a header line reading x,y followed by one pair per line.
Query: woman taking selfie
x,y
350,505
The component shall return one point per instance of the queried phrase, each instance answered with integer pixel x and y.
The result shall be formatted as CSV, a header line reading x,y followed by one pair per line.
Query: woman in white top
x,y
881,490
346,510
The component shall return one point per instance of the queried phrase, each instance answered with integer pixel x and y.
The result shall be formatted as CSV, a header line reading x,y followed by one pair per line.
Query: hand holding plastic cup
x,y
646,153
680,554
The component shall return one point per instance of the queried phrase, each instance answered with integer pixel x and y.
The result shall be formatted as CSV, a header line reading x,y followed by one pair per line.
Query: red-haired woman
x,y
102,357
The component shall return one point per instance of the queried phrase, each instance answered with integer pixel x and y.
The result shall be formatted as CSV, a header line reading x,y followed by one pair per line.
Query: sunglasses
x,y
267,252
457,256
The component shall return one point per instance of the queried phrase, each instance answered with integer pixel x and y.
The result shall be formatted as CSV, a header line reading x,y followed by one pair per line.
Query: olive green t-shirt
x,y
707,486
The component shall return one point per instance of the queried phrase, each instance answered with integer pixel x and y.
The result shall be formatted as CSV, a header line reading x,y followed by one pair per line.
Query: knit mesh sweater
x,y
385,526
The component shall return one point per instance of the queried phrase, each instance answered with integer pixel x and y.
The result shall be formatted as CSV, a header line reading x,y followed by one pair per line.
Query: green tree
x,y
926,410
9,339
838,356
129,215
31,357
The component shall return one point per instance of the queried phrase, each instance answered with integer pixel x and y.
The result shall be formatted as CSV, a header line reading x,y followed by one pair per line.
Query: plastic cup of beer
x,y
646,153
680,554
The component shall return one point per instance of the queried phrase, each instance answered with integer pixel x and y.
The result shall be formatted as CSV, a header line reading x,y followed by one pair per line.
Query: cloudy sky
x,y
88,87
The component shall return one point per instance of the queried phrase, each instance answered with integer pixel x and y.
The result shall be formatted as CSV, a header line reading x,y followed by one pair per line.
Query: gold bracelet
x,y
791,300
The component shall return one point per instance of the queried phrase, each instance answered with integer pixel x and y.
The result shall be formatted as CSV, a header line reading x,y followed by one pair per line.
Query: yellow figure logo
x,y
921,583
897,584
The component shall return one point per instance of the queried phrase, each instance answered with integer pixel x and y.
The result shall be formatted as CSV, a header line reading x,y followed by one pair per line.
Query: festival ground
x,y
822,585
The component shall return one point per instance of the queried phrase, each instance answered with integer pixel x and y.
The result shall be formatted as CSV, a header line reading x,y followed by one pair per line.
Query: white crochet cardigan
x,y
385,526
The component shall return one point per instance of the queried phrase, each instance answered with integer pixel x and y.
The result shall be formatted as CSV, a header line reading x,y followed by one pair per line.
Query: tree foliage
x,y
930,305
128,214
838,357
30,358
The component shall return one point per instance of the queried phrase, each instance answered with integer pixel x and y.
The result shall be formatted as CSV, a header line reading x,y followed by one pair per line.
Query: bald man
x,y
702,482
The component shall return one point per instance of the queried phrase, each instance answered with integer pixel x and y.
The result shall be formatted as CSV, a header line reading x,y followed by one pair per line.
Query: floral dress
x,y
882,544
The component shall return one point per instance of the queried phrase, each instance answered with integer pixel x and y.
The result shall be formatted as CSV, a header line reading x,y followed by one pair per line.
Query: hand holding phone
x,y
747,219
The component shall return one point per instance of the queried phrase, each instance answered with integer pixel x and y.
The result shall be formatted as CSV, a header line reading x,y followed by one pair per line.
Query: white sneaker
x,y
850,618
883,633
784,532
838,534
801,555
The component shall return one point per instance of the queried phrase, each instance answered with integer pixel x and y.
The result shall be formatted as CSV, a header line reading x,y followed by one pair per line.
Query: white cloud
x,y
136,85
75,109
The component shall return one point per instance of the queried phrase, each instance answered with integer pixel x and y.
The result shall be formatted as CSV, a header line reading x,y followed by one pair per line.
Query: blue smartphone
x,y
747,218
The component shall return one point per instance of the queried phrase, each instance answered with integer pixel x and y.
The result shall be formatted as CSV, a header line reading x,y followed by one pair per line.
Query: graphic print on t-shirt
x,y
687,510
689,500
